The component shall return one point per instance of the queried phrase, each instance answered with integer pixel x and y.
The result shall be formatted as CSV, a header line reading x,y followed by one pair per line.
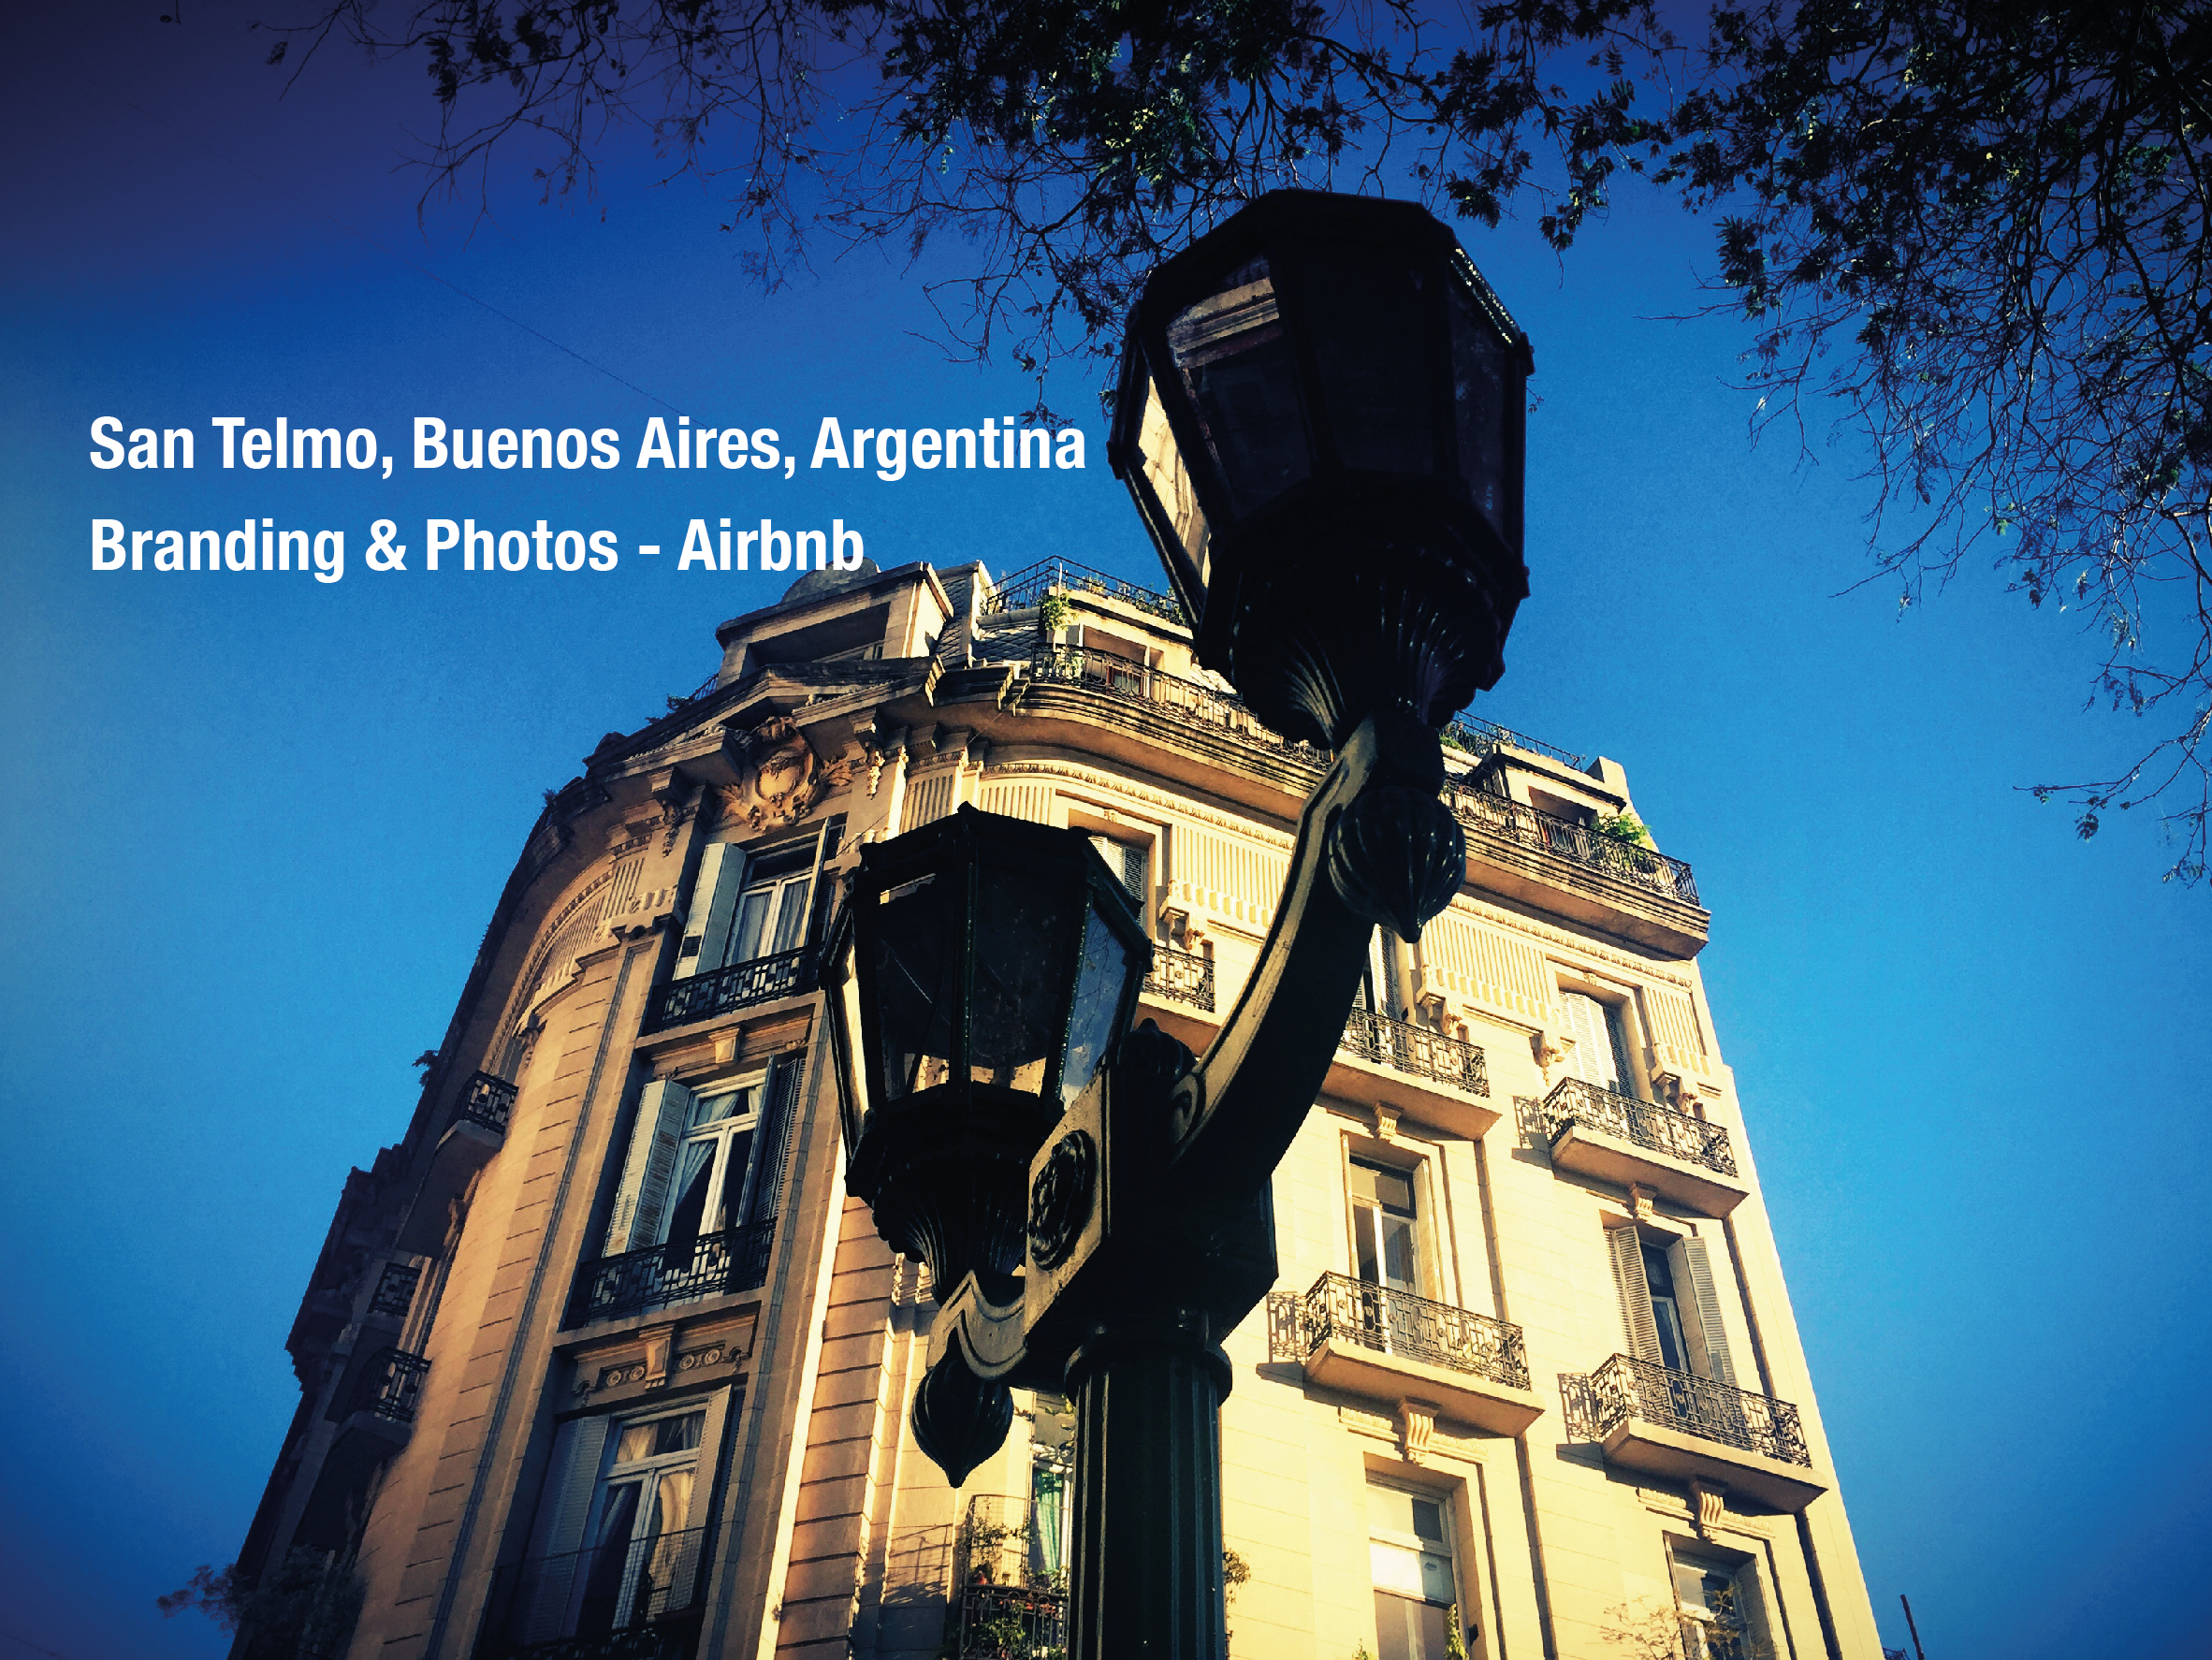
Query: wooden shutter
x,y
714,899
639,1201
777,1100
1711,1334
1627,1246
572,1482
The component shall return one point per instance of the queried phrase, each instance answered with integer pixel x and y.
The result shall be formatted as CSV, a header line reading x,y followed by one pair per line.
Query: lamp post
x,y
1320,421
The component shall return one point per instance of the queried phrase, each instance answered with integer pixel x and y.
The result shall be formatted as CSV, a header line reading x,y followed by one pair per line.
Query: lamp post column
x,y
1146,1575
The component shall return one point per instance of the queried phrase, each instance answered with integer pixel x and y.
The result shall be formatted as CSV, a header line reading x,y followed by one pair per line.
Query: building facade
x,y
600,1362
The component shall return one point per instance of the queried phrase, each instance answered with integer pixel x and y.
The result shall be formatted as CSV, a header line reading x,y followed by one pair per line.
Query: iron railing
x,y
702,996
1027,587
1547,833
708,1265
1472,736
1187,701
1625,1388
1417,1050
1011,1623
1647,1123
390,1385
1395,1322
623,1600
487,1101
1181,977
395,1291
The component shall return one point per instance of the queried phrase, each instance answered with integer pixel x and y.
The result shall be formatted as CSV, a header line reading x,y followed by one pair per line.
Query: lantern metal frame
x,y
1410,557
963,1136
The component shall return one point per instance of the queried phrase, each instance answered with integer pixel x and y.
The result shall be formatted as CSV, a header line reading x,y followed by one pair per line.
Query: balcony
x,y
703,997
475,1129
1392,1345
1576,871
1034,582
1187,703
633,1600
681,1271
390,1386
1181,977
1010,1574
1664,1423
1441,1080
1011,1622
1615,1138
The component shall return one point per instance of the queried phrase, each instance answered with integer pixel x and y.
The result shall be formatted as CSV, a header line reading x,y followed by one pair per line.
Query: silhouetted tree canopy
x,y
1974,232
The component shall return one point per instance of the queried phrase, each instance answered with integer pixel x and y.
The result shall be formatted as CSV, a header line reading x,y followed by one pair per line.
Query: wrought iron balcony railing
x,y
681,1271
390,1386
1027,587
1472,736
1181,977
1625,1387
1547,833
487,1101
395,1291
1011,1623
702,996
620,1601
1187,701
1647,1123
1394,1322
1417,1050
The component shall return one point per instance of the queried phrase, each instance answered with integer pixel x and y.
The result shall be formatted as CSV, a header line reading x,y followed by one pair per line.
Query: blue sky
x,y
256,825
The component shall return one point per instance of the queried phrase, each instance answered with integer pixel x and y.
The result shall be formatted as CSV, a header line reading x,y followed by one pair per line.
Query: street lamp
x,y
1322,400
977,974
1320,420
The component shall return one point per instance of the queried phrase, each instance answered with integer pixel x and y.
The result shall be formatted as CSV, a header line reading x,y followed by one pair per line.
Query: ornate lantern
x,y
978,974
1321,417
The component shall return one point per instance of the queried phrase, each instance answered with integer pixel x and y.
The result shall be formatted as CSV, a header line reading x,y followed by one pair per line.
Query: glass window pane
x,y
1393,1568
1023,949
1098,981
634,1443
694,1182
677,1434
1482,382
1171,482
918,940
1376,356
1236,362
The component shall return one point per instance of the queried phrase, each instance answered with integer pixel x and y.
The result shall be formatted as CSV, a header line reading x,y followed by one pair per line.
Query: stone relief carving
x,y
780,778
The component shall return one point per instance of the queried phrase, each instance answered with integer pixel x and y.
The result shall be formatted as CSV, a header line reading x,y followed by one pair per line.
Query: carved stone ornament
x,y
1707,1504
781,779
1550,1049
1417,1422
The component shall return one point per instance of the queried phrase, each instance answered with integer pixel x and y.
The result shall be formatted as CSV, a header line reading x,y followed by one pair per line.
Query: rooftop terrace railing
x,y
1188,701
1020,590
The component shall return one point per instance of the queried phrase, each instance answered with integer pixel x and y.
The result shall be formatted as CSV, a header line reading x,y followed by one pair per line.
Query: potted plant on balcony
x,y
1627,831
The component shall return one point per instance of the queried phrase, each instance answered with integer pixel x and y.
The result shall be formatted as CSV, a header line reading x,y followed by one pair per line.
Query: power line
x,y
29,1644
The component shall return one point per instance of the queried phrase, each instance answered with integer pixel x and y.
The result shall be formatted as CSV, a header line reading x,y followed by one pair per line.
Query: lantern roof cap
x,y
1328,214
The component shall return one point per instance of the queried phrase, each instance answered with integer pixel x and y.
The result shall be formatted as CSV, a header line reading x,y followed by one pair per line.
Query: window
x,y
702,1164
1385,1251
1719,1603
1599,1054
1410,1563
1682,1333
714,1167
759,902
1128,861
616,1539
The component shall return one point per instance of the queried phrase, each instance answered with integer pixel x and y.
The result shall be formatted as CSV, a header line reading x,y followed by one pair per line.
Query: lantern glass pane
x,y
917,938
1376,354
1235,359
1482,382
1098,981
1024,943
1170,481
